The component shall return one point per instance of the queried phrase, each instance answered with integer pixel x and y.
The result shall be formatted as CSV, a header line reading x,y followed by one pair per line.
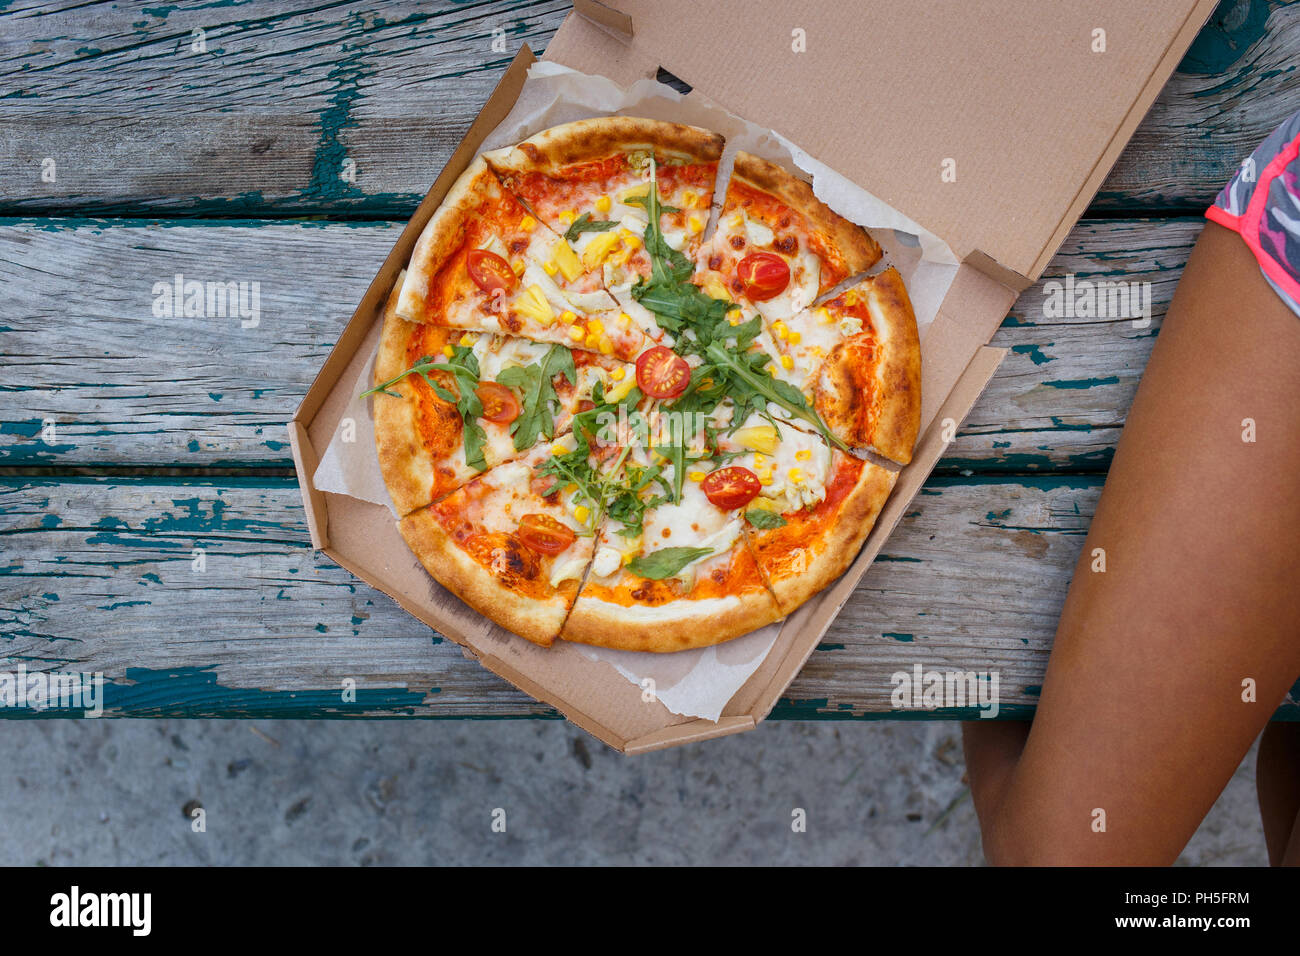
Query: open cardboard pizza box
x,y
1011,95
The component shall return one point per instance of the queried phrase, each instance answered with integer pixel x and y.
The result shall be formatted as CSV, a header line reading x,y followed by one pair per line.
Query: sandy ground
x,y
113,792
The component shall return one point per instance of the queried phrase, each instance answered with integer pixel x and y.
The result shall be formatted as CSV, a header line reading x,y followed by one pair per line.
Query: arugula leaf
x,y
664,564
536,384
585,223
748,376
766,520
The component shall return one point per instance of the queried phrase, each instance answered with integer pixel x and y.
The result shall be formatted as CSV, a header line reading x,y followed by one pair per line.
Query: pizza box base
x,y
363,537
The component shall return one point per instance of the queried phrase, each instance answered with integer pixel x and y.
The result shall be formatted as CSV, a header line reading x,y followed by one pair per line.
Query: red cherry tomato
x,y
764,275
662,373
544,534
499,403
732,487
489,271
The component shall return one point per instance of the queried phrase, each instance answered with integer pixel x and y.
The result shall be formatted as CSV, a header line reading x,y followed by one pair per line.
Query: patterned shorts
x,y
1262,204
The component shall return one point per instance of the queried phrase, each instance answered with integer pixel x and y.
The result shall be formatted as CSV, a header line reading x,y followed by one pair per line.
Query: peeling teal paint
x,y
1035,353
904,638
1083,382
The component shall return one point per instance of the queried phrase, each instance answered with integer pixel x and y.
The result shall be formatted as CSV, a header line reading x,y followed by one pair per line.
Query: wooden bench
x,y
286,145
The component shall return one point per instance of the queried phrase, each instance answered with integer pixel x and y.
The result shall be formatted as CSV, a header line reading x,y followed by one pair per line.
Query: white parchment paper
x,y
700,682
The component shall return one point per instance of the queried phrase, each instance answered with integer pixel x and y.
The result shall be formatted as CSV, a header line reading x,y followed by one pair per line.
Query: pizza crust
x,y
535,620
893,384
676,626
405,463
859,250
444,233
836,544
552,149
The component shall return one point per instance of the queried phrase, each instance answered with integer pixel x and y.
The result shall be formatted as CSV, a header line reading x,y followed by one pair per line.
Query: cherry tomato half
x,y
489,271
662,373
764,275
545,534
499,403
732,487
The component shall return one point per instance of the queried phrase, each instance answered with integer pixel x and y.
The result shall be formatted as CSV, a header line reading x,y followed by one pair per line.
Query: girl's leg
x,y
1169,663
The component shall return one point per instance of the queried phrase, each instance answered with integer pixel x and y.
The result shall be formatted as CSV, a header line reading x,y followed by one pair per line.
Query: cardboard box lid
x,y
1012,92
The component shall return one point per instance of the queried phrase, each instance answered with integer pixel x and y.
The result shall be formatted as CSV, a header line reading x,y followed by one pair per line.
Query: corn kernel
x,y
796,475
803,454
569,316
592,341
595,325
780,329
734,320
759,458
568,216
582,513
528,224
695,224
627,557
632,241
787,363
558,449
603,204
794,338
697,476
467,340
448,351
518,266
738,220
575,333
606,345
824,316
624,320
765,481
618,374
690,198
550,267
571,489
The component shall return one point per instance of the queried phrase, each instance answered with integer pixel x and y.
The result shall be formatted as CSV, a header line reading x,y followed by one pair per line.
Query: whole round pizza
x,y
609,413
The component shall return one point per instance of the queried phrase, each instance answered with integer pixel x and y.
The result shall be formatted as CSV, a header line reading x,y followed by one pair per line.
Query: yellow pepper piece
x,y
761,438
564,256
598,248
532,304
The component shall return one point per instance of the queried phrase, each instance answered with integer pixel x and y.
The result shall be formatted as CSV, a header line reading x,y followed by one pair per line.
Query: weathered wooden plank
x,y
264,117
98,575
124,386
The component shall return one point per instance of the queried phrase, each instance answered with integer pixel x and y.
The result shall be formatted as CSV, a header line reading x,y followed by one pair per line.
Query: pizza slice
x,y
671,569
513,543
857,359
590,181
777,246
815,508
450,404
485,263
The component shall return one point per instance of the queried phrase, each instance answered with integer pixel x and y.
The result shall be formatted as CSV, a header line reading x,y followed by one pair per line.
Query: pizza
x,y
611,413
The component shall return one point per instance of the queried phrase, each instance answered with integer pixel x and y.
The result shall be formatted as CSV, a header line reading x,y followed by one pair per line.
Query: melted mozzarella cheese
x,y
496,353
